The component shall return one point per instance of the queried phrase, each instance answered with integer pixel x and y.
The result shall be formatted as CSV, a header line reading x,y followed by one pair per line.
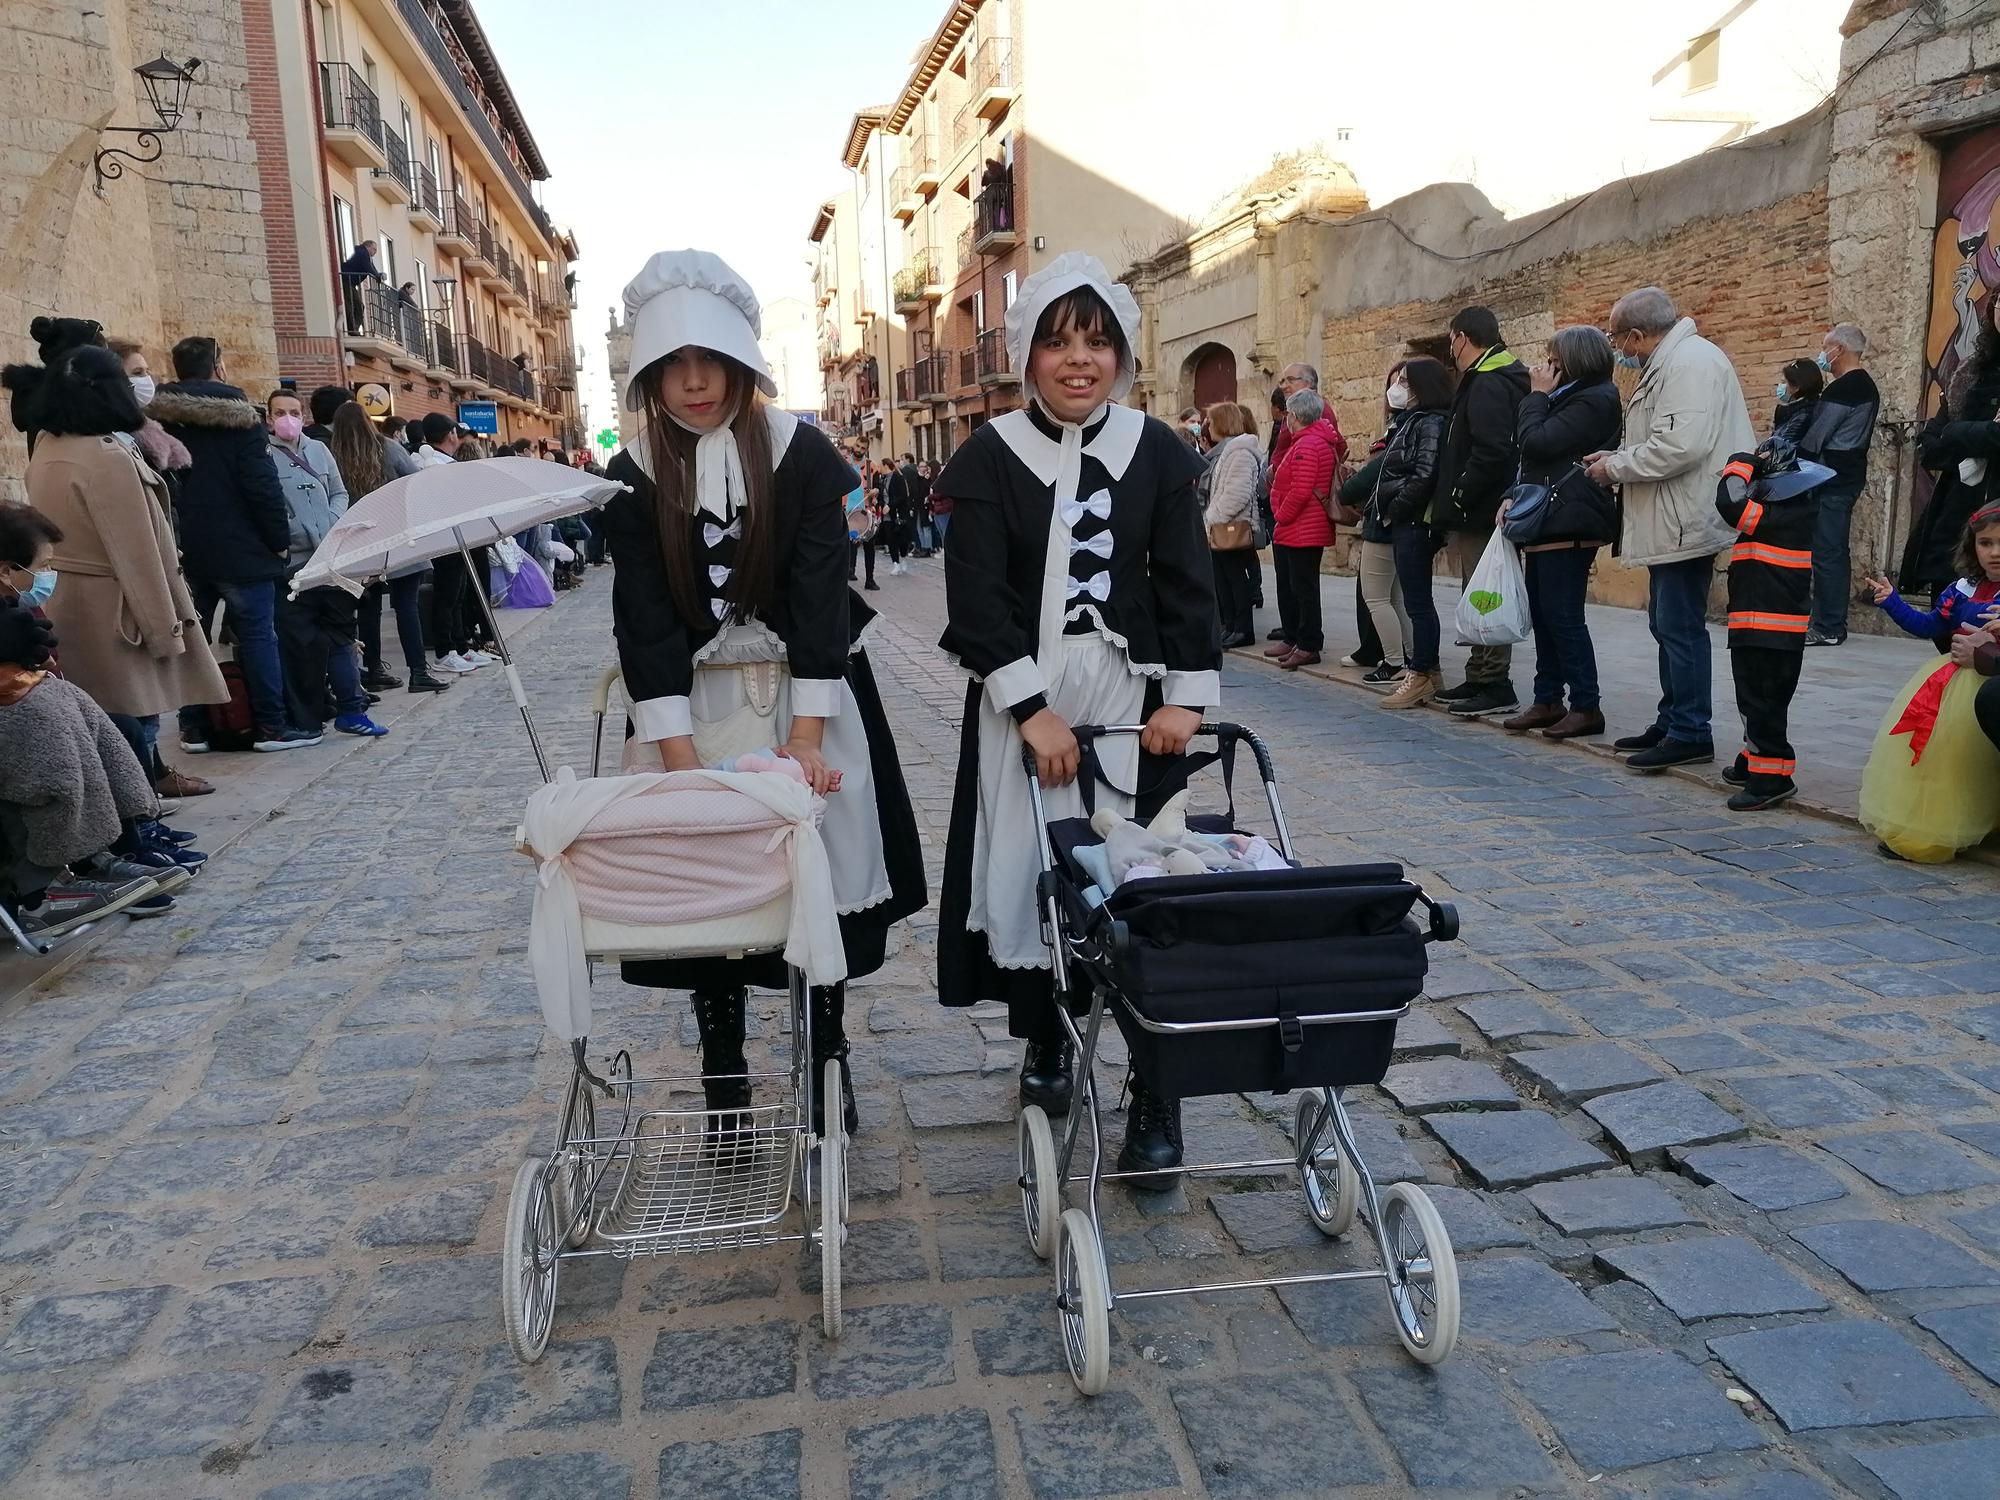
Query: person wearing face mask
x,y
1842,426
1078,590
737,630
1799,385
130,635
1685,418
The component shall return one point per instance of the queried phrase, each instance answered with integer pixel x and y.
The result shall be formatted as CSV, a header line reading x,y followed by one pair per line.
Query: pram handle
x,y
600,701
1223,734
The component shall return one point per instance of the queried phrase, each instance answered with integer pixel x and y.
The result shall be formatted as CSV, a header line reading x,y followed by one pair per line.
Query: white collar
x,y
784,427
1116,440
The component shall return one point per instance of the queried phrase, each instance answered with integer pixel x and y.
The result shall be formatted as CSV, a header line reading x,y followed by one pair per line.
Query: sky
x,y
714,125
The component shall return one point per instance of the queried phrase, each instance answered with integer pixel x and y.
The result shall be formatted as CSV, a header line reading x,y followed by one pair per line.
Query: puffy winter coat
x,y
234,527
1232,489
1305,477
1686,418
1409,474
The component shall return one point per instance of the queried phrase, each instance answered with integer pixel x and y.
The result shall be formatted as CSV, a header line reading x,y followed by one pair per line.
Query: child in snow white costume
x,y
737,631
1079,590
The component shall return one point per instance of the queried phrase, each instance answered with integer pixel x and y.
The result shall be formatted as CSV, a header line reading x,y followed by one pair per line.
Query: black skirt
x,y
865,934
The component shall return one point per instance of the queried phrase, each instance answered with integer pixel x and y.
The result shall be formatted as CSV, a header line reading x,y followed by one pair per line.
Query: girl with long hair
x,y
737,631
367,460
1078,590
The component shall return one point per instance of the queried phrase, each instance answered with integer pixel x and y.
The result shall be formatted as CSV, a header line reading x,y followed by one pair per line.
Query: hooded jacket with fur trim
x,y
234,524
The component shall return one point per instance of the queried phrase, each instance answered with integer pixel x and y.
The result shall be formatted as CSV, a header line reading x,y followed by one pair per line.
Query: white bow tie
x,y
1098,505
712,534
1099,587
718,576
1100,545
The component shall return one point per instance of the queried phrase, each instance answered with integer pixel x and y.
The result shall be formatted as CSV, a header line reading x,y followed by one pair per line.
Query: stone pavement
x,y
1842,695
1709,1105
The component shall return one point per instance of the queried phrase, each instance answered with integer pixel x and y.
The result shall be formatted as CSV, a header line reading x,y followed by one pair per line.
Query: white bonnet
x,y
684,297
1065,274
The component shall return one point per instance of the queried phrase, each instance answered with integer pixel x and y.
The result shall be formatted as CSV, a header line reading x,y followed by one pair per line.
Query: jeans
x,y
143,735
403,593
1298,596
1232,589
1564,657
1677,613
1832,574
1382,600
1415,546
252,609
1486,664
941,527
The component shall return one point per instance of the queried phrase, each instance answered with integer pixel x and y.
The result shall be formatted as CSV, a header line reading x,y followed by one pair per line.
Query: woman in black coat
x,y
1571,409
1960,445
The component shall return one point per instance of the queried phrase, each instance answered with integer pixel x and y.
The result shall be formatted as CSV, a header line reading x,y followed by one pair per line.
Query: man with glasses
x,y
1685,418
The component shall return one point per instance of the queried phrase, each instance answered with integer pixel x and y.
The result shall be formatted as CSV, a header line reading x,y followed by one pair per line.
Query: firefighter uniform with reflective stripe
x,y
1770,599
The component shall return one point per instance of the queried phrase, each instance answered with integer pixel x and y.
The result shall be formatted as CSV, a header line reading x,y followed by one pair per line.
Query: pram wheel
x,y
1041,1193
528,1264
1332,1186
832,1202
1423,1274
1083,1303
572,1170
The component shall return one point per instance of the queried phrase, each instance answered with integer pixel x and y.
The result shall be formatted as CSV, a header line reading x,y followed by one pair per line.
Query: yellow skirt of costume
x,y
1948,799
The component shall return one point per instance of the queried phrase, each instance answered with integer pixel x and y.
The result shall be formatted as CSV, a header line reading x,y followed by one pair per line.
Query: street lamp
x,y
166,83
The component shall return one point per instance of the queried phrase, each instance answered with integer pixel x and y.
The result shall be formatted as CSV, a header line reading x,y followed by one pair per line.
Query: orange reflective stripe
x,y
1742,469
1769,765
1750,619
1753,512
1777,557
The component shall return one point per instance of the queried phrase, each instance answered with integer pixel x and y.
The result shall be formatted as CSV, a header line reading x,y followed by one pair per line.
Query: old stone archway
x,y
1211,372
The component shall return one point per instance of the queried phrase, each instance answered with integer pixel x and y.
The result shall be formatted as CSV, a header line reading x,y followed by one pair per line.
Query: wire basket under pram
x,y
1247,982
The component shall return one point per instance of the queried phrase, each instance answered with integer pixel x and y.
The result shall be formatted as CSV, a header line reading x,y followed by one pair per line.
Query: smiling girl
x,y
1078,591
737,631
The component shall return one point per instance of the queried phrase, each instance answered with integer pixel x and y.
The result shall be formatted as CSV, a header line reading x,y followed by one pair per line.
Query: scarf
x,y
719,487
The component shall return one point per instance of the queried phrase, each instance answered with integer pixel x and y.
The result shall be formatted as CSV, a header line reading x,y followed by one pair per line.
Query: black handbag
x,y
1573,509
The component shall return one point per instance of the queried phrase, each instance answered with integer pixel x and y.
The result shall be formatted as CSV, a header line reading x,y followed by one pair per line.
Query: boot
x,y
1045,1076
1152,1140
719,1019
829,1012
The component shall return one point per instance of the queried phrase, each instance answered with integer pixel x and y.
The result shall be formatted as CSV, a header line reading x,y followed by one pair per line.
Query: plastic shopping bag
x,y
1493,611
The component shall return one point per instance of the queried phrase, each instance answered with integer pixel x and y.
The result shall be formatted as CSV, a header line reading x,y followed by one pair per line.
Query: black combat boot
x,y
1045,1076
1152,1140
829,1014
718,1017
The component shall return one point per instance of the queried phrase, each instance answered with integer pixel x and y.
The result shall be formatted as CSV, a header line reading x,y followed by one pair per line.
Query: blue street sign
x,y
480,416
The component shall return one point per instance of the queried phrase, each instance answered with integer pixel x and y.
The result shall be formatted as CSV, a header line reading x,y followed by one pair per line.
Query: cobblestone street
x,y
1710,1104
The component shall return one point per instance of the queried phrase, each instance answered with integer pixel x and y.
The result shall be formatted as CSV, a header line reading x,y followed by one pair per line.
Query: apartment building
x,y
392,121
851,376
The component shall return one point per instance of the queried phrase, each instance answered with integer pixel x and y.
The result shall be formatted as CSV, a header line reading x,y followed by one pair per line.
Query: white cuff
x,y
816,697
662,719
1193,689
1016,682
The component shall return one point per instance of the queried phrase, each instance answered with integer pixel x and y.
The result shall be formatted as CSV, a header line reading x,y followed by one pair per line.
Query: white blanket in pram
x,y
563,811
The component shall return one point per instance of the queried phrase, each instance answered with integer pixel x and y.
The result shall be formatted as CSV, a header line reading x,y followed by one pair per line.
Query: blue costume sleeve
x,y
1927,624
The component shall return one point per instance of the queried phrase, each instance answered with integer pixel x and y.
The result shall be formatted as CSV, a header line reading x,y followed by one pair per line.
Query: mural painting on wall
x,y
1965,279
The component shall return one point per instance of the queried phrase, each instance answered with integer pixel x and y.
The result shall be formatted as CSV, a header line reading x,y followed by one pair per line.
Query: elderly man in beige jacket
x,y
1685,419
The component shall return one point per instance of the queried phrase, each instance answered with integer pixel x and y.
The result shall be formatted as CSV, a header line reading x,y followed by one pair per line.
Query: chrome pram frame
x,y
672,1178
1418,1266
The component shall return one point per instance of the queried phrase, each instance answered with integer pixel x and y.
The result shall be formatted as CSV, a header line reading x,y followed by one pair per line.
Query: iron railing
x,y
424,192
934,376
968,367
992,348
347,103
398,151
459,218
444,348
993,210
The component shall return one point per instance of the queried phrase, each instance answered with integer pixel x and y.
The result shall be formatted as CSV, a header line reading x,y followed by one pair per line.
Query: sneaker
x,y
1389,671
194,747
157,832
61,911
150,906
452,661
429,684
115,895
1490,698
1820,638
1645,740
358,724
273,740
1749,801
108,866
1453,694
1415,690
1673,753
481,658
1351,660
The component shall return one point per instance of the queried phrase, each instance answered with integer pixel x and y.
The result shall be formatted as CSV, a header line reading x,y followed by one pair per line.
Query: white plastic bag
x,y
1493,611
508,554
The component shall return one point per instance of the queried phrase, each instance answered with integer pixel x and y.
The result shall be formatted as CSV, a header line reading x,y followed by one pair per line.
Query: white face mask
x,y
143,387
1399,396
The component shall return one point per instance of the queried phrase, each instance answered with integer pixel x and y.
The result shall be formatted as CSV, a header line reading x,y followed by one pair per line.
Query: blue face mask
x,y
1784,391
38,594
1825,360
1630,362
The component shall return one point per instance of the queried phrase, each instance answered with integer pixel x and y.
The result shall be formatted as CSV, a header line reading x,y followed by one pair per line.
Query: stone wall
x,y
171,248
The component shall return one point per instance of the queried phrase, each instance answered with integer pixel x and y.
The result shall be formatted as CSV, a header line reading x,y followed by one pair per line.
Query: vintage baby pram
x,y
737,860
1222,983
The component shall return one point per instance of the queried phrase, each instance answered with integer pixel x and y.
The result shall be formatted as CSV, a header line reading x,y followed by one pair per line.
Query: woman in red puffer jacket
x,y
1305,477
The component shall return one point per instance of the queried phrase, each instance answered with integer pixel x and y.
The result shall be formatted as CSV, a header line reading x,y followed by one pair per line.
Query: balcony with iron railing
x,y
351,117
867,386
994,227
445,359
968,367
991,77
389,327
392,179
908,397
479,263
920,158
457,235
426,207
914,283
934,376
995,368
903,200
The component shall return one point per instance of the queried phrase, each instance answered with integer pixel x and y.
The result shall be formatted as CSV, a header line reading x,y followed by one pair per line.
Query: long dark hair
x,y
357,450
87,392
1429,383
670,449
1966,558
